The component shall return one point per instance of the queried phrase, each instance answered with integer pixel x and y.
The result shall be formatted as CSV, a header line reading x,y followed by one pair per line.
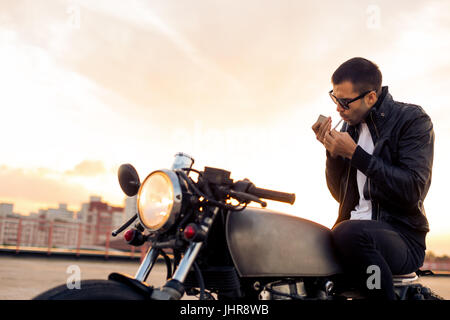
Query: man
x,y
378,168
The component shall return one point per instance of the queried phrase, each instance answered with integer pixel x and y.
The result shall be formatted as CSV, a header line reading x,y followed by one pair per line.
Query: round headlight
x,y
159,200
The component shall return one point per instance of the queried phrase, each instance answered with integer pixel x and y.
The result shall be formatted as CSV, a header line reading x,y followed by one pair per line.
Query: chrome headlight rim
x,y
176,205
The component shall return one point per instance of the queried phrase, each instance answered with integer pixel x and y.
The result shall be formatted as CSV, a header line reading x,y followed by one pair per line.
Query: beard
x,y
359,115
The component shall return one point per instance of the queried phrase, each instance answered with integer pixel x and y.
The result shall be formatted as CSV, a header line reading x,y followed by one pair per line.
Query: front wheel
x,y
93,290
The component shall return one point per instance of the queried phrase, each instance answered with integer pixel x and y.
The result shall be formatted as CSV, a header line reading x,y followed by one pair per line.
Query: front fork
x,y
174,288
147,265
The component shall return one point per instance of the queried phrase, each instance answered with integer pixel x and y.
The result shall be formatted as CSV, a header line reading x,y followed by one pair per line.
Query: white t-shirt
x,y
363,210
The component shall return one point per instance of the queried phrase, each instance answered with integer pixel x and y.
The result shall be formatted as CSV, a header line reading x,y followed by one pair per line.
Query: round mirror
x,y
129,179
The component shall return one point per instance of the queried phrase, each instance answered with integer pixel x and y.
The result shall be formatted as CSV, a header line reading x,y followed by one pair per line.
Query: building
x,y
130,207
57,214
60,227
84,211
6,210
99,219
8,223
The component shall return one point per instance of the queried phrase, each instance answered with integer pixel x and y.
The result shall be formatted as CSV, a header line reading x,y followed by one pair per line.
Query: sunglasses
x,y
344,103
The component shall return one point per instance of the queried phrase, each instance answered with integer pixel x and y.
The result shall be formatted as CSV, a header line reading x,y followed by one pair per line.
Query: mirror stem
x,y
126,225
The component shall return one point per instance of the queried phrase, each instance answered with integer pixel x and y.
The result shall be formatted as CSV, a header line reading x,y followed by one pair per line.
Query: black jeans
x,y
364,243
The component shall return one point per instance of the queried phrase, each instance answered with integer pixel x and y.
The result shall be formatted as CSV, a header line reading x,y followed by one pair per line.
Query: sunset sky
x,y
89,85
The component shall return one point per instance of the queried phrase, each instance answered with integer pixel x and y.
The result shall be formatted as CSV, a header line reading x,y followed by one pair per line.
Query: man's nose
x,y
339,108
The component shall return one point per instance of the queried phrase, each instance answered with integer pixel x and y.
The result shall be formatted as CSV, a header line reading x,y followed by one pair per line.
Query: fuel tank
x,y
266,243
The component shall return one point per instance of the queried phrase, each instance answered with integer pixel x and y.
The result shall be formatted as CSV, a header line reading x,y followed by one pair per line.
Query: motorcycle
x,y
215,246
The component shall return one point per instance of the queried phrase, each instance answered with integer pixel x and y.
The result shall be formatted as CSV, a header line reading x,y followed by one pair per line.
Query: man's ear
x,y
371,98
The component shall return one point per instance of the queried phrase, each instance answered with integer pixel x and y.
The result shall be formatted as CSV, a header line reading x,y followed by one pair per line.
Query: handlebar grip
x,y
272,195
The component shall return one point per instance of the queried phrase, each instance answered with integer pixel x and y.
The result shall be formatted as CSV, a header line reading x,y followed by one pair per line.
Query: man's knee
x,y
348,235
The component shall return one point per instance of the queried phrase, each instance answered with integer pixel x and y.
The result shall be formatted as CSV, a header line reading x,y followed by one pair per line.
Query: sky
x,y
89,85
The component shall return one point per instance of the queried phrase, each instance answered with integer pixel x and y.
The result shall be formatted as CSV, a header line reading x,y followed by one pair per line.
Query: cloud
x,y
88,168
240,62
39,185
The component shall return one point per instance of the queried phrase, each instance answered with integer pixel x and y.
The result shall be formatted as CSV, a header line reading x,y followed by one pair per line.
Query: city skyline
x,y
128,207
66,231
61,205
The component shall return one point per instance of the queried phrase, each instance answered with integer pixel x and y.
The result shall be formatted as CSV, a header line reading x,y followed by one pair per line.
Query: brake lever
x,y
246,196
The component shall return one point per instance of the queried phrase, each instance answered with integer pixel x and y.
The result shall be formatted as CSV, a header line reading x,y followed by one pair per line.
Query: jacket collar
x,y
379,113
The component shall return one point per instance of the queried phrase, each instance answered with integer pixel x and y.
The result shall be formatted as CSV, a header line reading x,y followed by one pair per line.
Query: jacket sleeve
x,y
407,182
333,171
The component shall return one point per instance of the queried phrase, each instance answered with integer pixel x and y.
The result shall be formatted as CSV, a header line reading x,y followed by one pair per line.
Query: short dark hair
x,y
362,73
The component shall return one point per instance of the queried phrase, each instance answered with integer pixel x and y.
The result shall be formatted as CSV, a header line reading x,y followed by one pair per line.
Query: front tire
x,y
93,290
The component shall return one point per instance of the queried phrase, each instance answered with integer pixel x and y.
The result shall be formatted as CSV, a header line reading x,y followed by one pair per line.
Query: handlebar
x,y
272,195
221,179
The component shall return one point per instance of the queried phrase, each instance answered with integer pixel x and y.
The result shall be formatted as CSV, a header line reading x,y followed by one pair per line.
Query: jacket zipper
x,y
376,129
348,175
378,136
346,184
370,196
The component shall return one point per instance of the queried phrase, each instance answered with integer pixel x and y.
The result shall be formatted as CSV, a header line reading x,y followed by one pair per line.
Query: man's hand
x,y
339,144
320,129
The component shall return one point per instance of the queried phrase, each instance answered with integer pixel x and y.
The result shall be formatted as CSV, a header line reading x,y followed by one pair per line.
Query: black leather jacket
x,y
398,172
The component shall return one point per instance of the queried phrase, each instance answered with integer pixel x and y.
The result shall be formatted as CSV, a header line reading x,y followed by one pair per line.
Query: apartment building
x,y
60,227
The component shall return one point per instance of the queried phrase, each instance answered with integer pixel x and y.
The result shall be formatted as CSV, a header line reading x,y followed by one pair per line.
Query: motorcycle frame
x,y
183,267
186,263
